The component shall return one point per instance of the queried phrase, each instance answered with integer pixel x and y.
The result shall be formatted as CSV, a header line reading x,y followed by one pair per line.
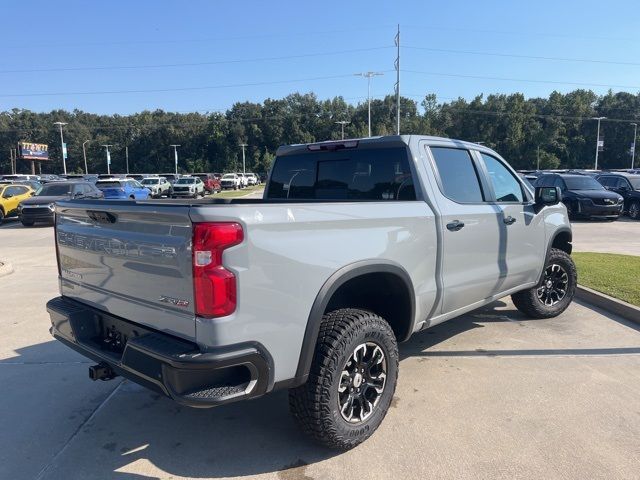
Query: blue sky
x,y
252,50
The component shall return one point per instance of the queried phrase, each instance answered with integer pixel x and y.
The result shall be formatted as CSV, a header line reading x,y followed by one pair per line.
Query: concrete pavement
x,y
621,236
488,395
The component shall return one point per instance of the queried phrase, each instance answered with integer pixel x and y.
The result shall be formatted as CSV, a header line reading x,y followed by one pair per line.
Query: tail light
x,y
214,286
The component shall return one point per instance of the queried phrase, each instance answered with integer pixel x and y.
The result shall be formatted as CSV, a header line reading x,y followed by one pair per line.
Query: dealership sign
x,y
33,151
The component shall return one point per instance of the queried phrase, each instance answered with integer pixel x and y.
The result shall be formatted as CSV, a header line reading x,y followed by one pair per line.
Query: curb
x,y
610,304
5,268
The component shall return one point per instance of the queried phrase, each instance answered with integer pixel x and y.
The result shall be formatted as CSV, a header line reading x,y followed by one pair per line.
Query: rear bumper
x,y
161,362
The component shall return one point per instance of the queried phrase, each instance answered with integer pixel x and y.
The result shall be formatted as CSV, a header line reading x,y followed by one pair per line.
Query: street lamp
x,y
108,159
368,76
597,138
342,123
84,154
62,148
243,145
633,149
175,156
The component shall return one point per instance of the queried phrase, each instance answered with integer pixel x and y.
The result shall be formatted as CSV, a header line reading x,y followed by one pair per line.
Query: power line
x,y
531,57
128,43
195,64
553,82
179,89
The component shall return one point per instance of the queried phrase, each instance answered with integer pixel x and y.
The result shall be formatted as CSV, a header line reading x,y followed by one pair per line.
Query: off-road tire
x,y
634,210
528,302
1,215
315,405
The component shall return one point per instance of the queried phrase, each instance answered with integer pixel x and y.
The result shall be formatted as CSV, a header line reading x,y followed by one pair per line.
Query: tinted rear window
x,y
366,174
54,190
109,185
458,177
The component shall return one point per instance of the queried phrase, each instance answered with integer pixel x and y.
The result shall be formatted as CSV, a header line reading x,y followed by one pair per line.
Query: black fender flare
x,y
333,283
550,246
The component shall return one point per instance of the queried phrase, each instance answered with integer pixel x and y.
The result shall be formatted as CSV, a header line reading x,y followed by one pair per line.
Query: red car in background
x,y
211,183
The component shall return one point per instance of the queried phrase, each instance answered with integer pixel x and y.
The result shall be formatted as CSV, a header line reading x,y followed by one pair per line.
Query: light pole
x,y
84,154
108,159
175,156
633,149
62,148
368,76
597,139
342,123
243,145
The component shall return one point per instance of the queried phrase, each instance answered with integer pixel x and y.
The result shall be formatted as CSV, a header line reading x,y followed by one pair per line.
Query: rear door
x,y
471,262
133,261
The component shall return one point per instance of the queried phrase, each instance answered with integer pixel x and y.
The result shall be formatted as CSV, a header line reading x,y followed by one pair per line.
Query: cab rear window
x,y
367,175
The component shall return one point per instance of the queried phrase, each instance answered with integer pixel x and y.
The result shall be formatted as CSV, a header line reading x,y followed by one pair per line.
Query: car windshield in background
x,y
54,190
150,181
186,181
109,185
582,183
381,174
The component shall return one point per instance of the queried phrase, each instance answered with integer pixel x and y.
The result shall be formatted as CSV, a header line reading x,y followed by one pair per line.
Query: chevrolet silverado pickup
x,y
355,246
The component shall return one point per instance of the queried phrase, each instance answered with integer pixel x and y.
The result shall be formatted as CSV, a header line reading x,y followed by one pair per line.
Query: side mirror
x,y
547,196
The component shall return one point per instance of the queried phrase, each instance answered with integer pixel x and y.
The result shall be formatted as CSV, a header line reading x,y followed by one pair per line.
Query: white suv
x,y
187,187
230,180
252,179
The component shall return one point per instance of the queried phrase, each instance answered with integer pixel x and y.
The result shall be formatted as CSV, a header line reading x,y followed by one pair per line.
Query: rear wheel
x,y
634,210
554,292
351,382
1,215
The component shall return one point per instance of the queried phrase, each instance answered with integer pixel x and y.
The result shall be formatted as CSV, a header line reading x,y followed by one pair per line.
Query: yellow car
x,y
10,198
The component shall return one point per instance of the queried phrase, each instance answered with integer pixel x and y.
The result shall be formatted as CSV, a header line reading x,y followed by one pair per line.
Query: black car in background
x,y
628,186
583,195
41,207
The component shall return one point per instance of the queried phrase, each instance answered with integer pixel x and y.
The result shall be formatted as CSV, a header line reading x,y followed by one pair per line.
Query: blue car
x,y
122,189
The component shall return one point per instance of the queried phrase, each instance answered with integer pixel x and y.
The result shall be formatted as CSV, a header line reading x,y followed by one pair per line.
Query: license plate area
x,y
112,335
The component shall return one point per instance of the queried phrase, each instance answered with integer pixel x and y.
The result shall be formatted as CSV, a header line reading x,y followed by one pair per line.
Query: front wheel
x,y
634,210
352,379
554,292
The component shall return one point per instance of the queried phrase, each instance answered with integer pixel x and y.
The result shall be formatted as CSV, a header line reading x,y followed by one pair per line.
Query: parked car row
x,y
593,194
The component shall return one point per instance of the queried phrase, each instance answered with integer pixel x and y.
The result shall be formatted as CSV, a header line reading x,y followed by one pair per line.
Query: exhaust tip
x,y
101,371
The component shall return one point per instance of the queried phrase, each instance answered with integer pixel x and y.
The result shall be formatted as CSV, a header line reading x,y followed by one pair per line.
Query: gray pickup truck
x,y
356,245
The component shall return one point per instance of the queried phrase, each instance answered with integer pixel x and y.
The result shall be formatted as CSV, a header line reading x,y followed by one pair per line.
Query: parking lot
x,y
488,395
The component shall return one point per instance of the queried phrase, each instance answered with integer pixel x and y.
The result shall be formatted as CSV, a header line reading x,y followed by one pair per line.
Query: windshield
x,y
54,190
635,183
582,183
229,176
114,184
150,181
186,181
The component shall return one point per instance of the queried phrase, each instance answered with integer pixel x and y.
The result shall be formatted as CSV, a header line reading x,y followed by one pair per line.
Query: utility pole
x,y
538,158
598,139
368,76
397,65
126,157
243,145
342,123
84,154
175,156
12,156
108,159
63,148
633,148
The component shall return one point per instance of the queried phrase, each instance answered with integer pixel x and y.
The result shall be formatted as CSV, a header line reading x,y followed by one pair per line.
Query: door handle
x,y
455,225
509,220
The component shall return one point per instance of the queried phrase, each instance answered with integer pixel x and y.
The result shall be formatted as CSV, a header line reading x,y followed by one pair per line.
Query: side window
x,y
21,190
9,191
506,187
621,183
606,181
458,175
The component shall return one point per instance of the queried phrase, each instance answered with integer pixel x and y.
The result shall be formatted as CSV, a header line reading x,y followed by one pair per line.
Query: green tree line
x,y
557,132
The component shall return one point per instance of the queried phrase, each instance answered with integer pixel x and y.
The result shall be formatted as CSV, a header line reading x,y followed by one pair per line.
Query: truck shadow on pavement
x,y
134,433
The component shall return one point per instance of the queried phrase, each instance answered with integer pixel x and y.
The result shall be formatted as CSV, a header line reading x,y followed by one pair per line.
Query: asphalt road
x,y
490,395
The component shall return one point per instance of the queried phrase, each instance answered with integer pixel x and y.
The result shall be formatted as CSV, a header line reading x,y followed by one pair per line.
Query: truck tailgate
x,y
131,260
